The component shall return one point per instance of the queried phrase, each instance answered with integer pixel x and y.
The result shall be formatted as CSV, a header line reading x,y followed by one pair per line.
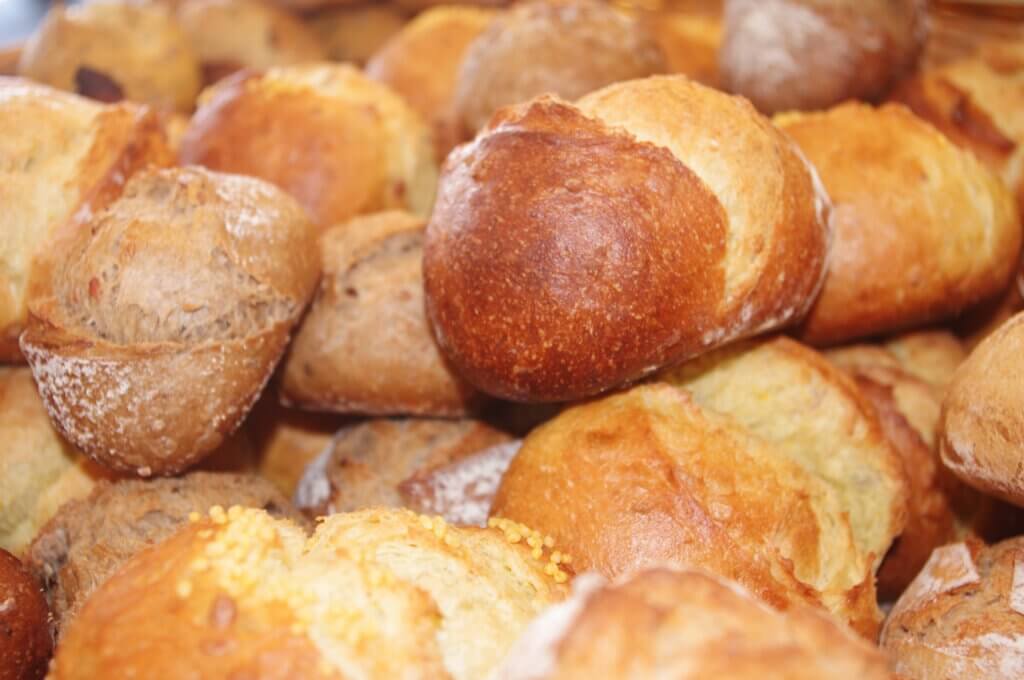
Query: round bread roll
x,y
366,464
25,642
89,539
355,33
228,35
377,594
61,152
365,346
811,54
166,313
564,47
422,61
575,248
923,230
684,625
337,141
112,50
963,616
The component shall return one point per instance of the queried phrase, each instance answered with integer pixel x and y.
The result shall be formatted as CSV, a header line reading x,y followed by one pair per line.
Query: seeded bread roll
x,y
923,230
340,143
811,54
377,594
61,153
166,313
112,50
564,47
577,247
25,641
354,34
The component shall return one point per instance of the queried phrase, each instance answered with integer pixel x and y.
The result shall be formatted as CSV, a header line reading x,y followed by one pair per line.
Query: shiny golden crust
x,y
811,54
355,34
25,642
340,143
62,153
146,375
563,47
365,346
949,236
113,49
687,625
568,254
963,616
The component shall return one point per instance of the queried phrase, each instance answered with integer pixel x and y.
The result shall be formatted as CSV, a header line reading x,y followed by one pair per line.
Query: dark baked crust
x,y
25,642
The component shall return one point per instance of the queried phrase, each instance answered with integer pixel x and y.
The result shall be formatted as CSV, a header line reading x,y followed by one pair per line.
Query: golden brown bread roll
x,y
112,50
355,33
146,374
574,248
365,346
811,54
89,539
564,47
337,141
377,594
963,616
686,625
25,642
923,230
61,152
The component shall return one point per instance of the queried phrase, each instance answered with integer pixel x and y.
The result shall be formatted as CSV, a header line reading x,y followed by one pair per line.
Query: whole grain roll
x,y
564,47
356,33
340,143
923,230
25,641
165,314
577,247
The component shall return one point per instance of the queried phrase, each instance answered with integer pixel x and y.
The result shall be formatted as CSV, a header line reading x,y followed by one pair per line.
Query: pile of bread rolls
x,y
512,341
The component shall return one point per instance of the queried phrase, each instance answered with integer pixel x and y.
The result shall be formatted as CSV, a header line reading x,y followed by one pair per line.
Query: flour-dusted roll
x,y
340,143
25,641
577,247
165,314
923,230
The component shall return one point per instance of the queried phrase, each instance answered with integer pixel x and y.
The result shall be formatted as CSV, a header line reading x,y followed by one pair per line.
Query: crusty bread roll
x,y
812,54
422,61
25,642
376,594
61,153
923,230
89,539
963,616
339,142
112,50
365,346
564,47
355,33
574,248
686,625
166,313
690,42
366,464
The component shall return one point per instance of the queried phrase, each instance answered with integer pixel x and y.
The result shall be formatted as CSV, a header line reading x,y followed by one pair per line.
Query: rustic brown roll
x,y
340,143
165,314
662,623
575,248
62,153
112,50
89,539
25,641
564,47
963,616
811,54
355,33
923,230
365,346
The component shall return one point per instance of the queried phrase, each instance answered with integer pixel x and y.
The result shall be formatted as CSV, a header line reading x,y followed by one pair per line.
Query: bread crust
x,y
25,642
357,33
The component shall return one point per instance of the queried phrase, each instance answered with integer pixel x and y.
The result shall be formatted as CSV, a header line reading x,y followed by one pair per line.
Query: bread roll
x,y
564,47
684,625
340,143
146,374
25,642
812,54
61,152
378,594
112,50
355,33
963,616
575,248
923,230
690,42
